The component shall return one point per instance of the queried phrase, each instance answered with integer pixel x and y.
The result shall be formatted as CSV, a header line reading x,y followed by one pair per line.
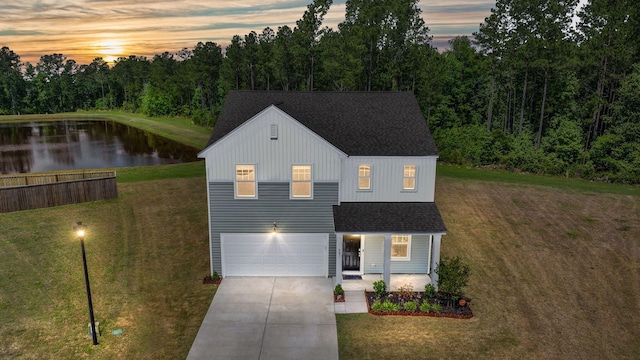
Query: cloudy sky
x,y
85,29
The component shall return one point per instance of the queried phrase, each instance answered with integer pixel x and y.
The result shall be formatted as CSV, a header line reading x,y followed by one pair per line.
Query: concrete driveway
x,y
269,318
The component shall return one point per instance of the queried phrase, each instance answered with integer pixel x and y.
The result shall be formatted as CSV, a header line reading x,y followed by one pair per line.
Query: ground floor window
x,y
400,247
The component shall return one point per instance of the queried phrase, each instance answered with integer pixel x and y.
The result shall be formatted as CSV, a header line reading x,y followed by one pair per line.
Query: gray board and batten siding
x,y
273,204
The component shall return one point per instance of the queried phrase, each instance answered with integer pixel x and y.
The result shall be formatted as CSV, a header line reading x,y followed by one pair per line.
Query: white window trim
x,y
415,178
359,177
408,257
235,181
310,197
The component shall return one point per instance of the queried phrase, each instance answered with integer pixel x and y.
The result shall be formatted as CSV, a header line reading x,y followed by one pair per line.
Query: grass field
x,y
556,275
556,272
147,254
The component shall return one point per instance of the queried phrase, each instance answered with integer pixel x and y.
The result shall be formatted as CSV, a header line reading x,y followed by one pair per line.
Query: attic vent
x,y
274,131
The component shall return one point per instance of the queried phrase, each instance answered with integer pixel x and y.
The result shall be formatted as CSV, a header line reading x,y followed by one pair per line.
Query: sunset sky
x,y
85,29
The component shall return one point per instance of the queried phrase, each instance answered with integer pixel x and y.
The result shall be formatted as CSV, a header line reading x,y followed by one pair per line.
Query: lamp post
x,y
80,230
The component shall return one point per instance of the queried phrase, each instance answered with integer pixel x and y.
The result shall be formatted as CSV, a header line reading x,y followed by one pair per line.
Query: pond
x,y
68,145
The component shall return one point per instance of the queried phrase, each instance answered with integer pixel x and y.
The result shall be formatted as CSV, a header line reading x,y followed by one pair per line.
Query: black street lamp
x,y
80,230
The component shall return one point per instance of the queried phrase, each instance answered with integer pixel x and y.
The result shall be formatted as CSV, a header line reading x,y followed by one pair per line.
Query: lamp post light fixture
x,y
275,228
80,231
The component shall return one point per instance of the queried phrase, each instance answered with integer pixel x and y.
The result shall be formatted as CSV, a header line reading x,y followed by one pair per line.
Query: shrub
x,y
215,276
437,307
338,290
386,306
380,288
429,291
410,306
453,275
405,293
425,307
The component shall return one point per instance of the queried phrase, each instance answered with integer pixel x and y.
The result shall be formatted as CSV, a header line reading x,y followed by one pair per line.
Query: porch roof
x,y
397,217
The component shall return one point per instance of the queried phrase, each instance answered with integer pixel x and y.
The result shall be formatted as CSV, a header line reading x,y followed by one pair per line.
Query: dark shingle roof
x,y
393,217
358,123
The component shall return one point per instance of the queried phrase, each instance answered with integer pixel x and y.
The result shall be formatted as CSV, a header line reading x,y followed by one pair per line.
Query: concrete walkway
x,y
265,318
355,301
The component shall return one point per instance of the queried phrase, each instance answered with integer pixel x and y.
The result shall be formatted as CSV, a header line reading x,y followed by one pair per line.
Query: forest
x,y
543,86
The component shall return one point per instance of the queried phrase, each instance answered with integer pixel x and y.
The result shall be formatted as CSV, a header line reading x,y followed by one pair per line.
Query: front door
x,y
351,252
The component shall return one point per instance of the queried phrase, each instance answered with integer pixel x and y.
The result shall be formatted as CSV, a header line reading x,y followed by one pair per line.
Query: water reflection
x,y
66,145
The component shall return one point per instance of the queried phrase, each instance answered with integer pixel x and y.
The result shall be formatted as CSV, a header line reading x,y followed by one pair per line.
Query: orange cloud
x,y
85,29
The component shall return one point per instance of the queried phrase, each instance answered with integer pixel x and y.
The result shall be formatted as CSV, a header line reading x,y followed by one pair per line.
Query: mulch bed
x,y
209,280
451,308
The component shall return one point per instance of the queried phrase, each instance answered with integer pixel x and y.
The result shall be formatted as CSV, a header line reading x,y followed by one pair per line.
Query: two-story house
x,y
322,184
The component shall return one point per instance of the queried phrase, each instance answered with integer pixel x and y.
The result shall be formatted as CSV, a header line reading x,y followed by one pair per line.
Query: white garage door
x,y
274,254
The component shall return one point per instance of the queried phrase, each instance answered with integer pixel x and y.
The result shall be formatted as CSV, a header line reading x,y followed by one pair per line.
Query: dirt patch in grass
x,y
147,252
545,282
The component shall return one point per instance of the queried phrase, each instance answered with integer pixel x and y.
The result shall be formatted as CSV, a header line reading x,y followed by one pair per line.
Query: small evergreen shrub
x,y
338,290
429,292
380,288
453,275
436,307
215,276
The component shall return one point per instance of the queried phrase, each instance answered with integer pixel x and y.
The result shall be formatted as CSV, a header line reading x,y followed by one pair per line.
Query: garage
x,y
275,254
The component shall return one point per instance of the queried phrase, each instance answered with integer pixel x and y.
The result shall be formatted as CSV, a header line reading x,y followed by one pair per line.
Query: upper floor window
x,y
301,181
400,247
364,177
409,182
246,181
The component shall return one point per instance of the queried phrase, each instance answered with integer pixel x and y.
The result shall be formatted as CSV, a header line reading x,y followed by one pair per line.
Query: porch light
x,y
275,228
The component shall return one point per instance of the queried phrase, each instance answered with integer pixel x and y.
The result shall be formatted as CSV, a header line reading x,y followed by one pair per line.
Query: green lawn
x,y
555,271
555,275
147,253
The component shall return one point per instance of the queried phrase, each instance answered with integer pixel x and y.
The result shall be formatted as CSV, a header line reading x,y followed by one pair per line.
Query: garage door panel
x,y
274,255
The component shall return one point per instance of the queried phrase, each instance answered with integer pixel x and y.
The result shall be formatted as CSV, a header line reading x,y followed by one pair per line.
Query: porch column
x,y
435,259
429,256
339,258
386,267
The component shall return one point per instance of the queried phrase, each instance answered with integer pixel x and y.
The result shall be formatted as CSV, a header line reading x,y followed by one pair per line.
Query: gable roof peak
x,y
358,123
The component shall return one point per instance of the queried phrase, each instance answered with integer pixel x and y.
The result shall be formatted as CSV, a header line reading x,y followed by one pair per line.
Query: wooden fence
x,y
25,192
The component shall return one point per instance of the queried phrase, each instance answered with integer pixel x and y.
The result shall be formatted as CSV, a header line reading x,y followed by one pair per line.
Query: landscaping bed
x,y
412,303
212,279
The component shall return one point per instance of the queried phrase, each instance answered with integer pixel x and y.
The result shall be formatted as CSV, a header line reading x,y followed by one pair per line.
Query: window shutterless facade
x,y
301,184
246,181
401,247
409,181
364,177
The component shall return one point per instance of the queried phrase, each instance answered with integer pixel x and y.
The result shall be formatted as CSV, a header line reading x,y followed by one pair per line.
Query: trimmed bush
x,y
453,275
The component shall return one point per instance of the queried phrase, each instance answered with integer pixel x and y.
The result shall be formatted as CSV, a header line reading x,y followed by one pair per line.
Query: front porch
x,y
383,241
355,301
417,281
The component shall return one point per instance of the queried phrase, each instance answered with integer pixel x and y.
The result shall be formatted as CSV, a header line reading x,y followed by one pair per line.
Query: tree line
x,y
543,86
